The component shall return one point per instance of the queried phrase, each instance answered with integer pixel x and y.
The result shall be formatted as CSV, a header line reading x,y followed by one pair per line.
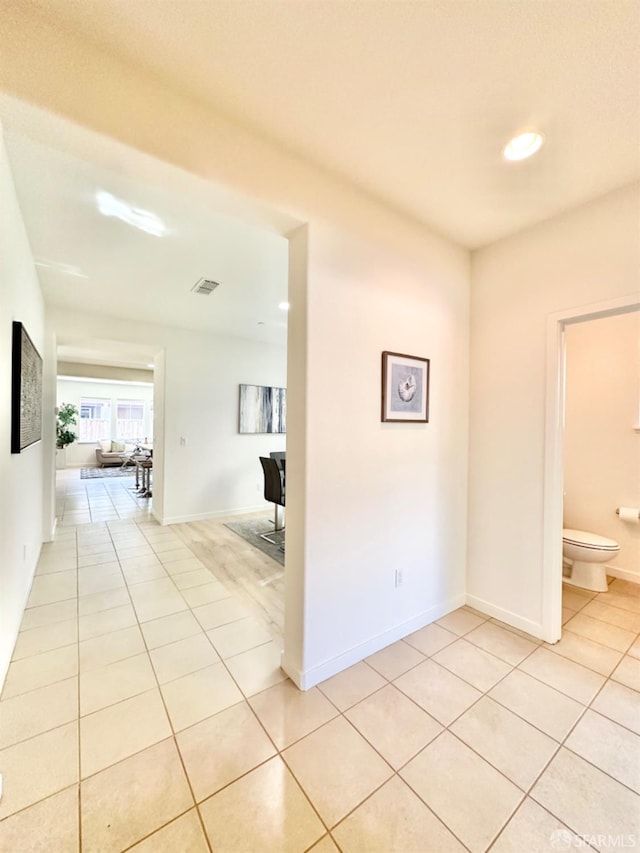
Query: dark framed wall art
x,y
262,409
405,388
26,391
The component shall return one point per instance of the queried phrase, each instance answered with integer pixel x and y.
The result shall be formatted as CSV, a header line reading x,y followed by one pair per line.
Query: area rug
x,y
250,531
94,473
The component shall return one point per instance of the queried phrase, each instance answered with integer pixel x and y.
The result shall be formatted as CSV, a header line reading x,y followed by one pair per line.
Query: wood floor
x,y
249,573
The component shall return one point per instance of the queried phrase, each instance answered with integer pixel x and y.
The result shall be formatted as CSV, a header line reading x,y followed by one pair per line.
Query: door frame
x,y
554,451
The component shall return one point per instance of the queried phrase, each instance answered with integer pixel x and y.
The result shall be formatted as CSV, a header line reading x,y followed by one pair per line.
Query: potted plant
x,y
67,417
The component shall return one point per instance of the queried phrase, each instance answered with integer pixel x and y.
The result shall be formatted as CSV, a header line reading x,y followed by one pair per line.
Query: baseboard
x,y
294,672
623,574
305,679
52,533
204,516
6,652
506,616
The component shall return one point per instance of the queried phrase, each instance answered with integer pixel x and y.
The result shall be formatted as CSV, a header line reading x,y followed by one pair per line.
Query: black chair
x,y
280,457
273,492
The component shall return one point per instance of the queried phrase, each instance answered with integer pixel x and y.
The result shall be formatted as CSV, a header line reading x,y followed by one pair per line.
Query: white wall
x,y
371,496
49,434
587,256
601,446
377,497
72,390
104,371
217,471
21,475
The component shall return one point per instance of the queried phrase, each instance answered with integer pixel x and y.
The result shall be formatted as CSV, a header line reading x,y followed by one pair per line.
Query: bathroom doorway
x,y
555,451
601,462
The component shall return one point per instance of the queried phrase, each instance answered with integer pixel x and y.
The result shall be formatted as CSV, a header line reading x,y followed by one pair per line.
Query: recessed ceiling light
x,y
523,145
284,306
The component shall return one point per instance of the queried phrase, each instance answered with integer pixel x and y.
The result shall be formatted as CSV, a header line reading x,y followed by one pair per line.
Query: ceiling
x,y
411,100
90,262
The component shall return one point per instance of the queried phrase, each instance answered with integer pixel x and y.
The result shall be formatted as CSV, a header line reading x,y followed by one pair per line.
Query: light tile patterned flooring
x,y
144,709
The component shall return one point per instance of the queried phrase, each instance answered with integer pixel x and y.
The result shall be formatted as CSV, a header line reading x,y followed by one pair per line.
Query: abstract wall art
x,y
26,391
262,409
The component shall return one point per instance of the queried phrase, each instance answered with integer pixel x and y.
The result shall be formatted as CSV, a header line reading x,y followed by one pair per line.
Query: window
x,y
95,419
130,420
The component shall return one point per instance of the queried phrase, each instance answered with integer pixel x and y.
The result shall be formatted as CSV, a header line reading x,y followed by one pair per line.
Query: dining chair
x,y
274,492
279,456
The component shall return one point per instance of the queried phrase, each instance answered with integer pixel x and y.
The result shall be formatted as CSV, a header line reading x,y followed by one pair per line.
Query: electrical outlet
x,y
398,578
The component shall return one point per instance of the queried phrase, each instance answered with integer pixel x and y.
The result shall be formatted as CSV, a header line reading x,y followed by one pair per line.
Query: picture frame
x,y
405,388
26,390
262,409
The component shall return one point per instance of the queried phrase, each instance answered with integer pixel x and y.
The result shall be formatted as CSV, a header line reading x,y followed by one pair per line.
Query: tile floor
x,y
103,499
144,709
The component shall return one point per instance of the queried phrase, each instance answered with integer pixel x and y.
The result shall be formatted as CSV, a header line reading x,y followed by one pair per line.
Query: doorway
x,y
554,451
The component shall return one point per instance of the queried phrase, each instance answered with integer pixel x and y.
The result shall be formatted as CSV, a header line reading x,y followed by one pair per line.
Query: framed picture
x,y
26,391
405,388
263,409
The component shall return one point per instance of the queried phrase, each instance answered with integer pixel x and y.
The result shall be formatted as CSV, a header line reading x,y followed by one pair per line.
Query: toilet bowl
x,y
587,553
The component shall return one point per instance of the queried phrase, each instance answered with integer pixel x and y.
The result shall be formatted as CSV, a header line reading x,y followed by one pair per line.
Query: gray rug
x,y
94,473
250,531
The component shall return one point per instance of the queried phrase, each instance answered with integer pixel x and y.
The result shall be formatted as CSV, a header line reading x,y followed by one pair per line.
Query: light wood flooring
x,y
247,572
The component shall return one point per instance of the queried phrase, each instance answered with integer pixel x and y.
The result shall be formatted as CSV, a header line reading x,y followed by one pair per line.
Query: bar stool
x,y
143,472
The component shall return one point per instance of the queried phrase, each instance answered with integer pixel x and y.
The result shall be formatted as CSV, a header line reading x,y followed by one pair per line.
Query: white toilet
x,y
587,553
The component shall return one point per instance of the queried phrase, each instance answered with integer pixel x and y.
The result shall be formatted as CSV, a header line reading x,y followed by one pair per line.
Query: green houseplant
x,y
67,417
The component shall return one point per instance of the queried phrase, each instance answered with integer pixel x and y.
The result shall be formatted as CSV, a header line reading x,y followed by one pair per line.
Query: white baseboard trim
x,y
204,516
51,535
506,616
305,679
294,673
623,574
9,642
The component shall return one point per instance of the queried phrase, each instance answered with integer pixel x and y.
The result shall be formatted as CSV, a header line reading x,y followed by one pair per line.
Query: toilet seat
x,y
590,541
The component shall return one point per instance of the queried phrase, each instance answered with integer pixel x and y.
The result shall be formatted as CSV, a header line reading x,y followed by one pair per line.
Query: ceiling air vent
x,y
205,286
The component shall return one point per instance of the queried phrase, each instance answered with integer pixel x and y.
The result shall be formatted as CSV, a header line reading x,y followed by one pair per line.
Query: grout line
x,y
396,773
171,728
562,745
600,769
78,706
388,682
245,701
554,754
599,642
164,826
551,648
